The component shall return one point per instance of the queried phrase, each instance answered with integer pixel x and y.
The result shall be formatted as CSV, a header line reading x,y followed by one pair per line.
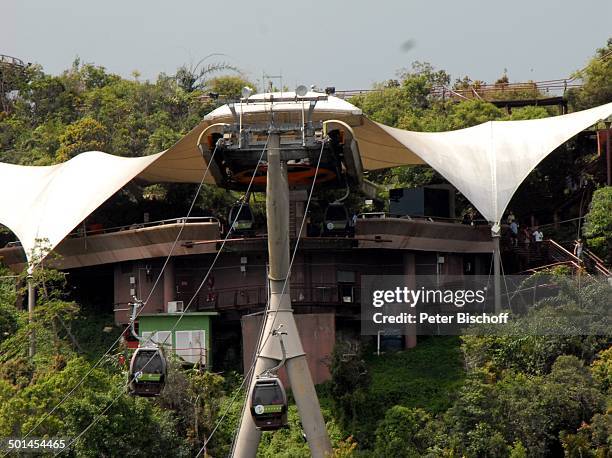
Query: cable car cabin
x,y
245,223
148,371
269,404
337,221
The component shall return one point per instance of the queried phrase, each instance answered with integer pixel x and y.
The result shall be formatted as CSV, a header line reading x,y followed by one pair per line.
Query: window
x,y
346,286
158,338
347,294
191,346
345,276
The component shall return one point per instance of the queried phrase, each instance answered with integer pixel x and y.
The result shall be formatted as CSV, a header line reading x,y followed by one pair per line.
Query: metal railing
x,y
589,260
540,89
330,294
102,230
595,262
4,59
431,219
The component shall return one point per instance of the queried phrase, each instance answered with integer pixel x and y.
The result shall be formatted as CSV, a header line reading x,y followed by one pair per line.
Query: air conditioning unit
x,y
175,307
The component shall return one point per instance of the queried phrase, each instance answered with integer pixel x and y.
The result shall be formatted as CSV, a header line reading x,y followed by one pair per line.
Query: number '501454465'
x,y
34,444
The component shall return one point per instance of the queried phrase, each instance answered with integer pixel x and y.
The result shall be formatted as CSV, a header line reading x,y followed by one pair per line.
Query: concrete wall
x,y
423,235
318,334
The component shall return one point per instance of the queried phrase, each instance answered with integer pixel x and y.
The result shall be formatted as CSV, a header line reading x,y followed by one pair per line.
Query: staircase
x,y
553,254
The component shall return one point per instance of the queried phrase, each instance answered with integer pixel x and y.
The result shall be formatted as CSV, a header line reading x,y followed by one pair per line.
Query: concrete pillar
x,y
302,387
410,338
497,273
169,284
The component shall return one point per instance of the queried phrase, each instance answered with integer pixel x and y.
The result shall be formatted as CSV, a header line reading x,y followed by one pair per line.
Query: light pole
x,y
31,303
608,123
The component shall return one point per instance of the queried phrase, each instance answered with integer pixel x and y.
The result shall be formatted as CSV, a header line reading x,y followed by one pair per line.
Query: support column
x,y
608,154
280,313
410,338
496,270
31,303
169,284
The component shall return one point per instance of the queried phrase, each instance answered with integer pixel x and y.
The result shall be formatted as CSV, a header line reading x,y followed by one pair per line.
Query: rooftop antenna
x,y
270,78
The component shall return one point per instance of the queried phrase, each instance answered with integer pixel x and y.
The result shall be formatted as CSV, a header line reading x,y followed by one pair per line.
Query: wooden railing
x,y
325,294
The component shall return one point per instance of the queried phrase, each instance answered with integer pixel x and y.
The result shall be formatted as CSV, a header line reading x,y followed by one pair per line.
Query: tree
x,y
403,432
597,81
349,388
192,77
228,87
598,223
86,134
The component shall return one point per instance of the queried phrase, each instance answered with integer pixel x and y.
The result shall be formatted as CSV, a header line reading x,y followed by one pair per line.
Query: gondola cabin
x,y
337,221
244,224
148,372
269,404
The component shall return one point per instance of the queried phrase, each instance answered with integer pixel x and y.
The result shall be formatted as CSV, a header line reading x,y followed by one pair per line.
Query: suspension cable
x,y
184,222
101,414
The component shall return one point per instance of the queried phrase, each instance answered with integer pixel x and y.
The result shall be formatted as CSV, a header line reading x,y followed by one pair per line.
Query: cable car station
x,y
286,290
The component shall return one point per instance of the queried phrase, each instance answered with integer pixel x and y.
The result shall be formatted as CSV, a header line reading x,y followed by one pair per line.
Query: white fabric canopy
x,y
486,163
41,205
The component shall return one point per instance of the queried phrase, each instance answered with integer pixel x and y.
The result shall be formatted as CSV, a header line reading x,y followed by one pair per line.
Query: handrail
x,y
435,219
550,266
541,88
595,263
11,60
163,222
558,248
592,255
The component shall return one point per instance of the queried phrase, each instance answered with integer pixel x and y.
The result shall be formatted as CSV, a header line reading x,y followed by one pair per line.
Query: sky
x,y
345,44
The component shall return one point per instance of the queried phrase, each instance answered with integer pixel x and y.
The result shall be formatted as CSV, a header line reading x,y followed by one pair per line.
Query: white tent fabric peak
x,y
487,163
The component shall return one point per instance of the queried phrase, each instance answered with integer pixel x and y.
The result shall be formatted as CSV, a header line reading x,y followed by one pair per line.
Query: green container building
x,y
191,340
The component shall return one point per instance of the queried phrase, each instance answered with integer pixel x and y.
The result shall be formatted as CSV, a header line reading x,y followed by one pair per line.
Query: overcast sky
x,y
347,44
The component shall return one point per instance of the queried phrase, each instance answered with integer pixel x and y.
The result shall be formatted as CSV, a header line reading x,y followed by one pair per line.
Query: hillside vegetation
x,y
475,396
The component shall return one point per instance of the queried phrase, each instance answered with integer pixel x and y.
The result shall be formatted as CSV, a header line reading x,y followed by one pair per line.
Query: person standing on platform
x,y
538,237
514,233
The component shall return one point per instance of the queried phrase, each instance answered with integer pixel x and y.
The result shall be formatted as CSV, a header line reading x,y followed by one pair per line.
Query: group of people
x,y
526,234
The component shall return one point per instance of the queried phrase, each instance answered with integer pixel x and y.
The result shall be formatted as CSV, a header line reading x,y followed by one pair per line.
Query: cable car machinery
x,y
239,144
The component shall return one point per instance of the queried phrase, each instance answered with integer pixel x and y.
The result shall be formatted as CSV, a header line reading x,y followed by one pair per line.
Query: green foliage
x,y
129,425
602,370
597,81
228,87
593,439
427,376
86,134
290,442
364,386
403,432
523,347
518,450
195,398
529,409
598,223
349,386
486,442
8,298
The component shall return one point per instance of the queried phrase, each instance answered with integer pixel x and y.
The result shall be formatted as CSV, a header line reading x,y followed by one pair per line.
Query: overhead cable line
x,y
172,248
203,282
